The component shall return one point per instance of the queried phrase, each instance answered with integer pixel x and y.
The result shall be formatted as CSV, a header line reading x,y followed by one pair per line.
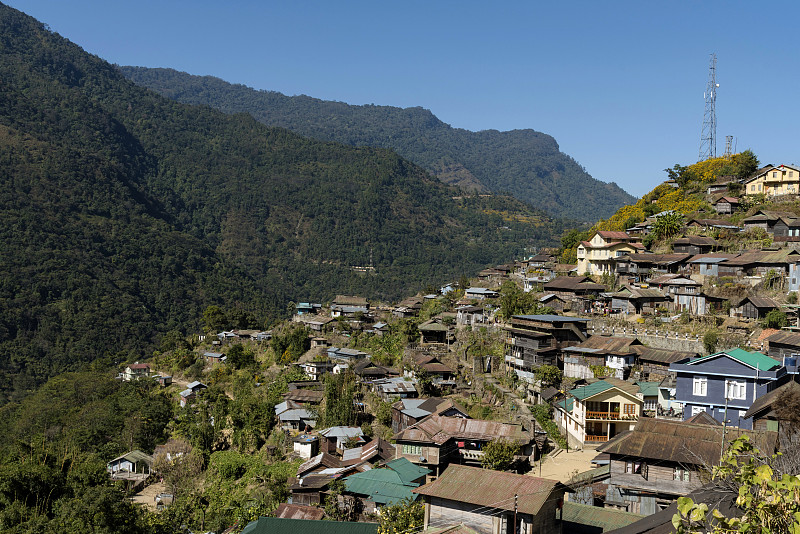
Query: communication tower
x,y
708,137
728,146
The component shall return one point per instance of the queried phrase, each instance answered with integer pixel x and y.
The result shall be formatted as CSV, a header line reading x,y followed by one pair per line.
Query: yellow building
x,y
599,254
774,181
599,411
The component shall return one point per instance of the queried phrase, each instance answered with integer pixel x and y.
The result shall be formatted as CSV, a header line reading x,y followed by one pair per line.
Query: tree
x,y
681,174
498,454
548,375
768,499
240,357
710,341
745,163
405,516
775,319
668,225
214,318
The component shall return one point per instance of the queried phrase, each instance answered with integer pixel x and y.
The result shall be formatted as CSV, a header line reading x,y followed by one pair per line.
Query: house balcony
x,y
468,454
611,416
591,438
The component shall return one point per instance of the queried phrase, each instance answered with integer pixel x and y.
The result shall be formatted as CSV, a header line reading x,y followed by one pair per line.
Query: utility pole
x,y
708,136
515,513
724,428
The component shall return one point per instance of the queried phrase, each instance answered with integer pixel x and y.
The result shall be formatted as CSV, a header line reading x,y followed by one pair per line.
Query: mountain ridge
x,y
523,162
123,215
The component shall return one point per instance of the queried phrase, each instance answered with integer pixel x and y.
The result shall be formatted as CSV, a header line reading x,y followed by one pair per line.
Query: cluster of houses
x,y
672,283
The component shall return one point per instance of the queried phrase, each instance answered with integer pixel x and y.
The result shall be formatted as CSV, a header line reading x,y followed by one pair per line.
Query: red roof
x,y
139,366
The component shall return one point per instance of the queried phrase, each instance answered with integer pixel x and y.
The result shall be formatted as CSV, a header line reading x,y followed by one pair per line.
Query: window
x,y
700,386
414,450
633,467
753,187
630,409
679,473
775,174
697,409
735,389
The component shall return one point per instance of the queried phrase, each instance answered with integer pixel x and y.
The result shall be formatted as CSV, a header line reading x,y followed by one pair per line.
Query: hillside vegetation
x,y
125,214
525,163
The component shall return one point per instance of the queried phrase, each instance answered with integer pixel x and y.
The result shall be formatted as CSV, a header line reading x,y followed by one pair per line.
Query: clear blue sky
x,y
618,84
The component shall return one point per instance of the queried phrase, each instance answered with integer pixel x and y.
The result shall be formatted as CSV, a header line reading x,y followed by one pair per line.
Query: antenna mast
x,y
728,146
708,137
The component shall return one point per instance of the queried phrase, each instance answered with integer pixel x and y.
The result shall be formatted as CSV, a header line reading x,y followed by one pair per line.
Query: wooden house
x,y
726,205
438,441
660,460
765,411
694,245
407,412
536,340
637,300
604,351
349,306
489,502
753,308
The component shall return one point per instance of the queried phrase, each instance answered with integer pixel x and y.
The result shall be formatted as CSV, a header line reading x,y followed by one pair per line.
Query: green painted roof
x,y
591,390
379,489
388,485
566,404
754,359
648,389
604,518
407,471
275,525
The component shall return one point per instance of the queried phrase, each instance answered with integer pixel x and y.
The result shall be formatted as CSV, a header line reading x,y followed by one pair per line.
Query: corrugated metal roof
x,y
754,359
407,471
679,441
785,338
609,343
299,511
494,489
600,386
322,459
766,400
276,525
595,516
664,356
551,318
438,429
648,389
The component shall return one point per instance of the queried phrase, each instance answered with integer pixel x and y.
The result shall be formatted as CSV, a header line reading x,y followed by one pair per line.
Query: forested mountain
x,y
526,163
124,214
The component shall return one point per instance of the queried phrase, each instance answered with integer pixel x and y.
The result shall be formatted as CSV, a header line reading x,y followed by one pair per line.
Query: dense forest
x,y
525,163
125,214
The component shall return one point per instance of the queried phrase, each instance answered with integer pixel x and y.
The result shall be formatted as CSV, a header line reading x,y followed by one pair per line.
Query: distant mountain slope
x,y
124,214
525,163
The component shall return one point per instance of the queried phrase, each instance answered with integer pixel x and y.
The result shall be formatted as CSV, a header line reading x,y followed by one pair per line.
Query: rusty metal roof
x,y
784,338
438,429
770,398
494,489
298,511
609,343
682,442
663,356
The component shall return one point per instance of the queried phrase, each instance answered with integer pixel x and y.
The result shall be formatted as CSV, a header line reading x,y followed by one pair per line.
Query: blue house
x,y
736,375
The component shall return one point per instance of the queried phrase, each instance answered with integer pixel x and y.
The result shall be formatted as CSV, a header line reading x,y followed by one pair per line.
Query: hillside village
x,y
584,397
